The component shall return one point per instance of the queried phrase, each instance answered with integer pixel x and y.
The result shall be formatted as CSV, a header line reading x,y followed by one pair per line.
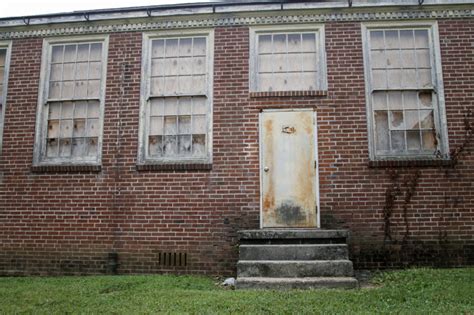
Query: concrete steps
x,y
294,258
294,252
297,283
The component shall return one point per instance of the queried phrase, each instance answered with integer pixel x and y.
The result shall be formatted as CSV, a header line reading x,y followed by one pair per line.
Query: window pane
x,y
57,53
381,131
426,119
79,147
199,46
378,59
391,40
294,42
52,148
95,70
396,119
199,145
156,126
93,127
409,78
157,107
309,63
171,106
199,124
93,89
279,43
408,58
96,52
395,100
170,146
379,100
424,78
170,125
79,128
379,79
398,140
184,125
421,39
395,78
80,91
412,121
53,129
265,44
184,145
185,46
70,53
377,40
393,59
265,63
185,104
406,39
429,140
55,111
155,146
83,52
413,140
92,146
93,109
65,147
423,58
171,48
56,73
309,42
199,105
410,100
158,48
425,99
80,109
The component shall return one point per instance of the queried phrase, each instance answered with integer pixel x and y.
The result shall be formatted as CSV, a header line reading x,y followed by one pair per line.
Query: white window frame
x,y
319,30
8,46
39,152
145,96
439,111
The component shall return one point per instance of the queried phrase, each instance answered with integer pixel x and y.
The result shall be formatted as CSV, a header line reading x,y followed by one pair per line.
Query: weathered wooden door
x,y
288,162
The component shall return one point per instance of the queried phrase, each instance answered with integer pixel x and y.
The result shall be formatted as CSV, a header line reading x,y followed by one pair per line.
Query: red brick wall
x,y
76,222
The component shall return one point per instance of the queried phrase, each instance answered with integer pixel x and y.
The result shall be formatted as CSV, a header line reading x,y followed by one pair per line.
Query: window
x,y
4,65
404,92
177,98
287,60
71,101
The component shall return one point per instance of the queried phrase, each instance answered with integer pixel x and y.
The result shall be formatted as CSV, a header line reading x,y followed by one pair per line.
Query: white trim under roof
x,y
207,15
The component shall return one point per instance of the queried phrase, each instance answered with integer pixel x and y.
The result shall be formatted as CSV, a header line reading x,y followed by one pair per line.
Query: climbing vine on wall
x,y
405,186
400,186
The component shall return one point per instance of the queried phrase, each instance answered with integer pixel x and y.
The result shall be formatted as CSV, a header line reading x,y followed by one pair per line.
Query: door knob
x,y
266,169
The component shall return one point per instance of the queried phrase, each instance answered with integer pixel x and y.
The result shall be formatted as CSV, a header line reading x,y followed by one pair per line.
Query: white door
x,y
288,162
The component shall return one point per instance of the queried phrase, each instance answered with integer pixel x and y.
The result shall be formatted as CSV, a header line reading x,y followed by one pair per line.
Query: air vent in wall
x,y
173,259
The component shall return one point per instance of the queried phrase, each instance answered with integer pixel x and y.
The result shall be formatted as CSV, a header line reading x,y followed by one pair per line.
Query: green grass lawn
x,y
422,291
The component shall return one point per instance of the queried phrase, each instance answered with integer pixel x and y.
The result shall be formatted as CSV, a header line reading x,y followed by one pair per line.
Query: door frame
x,y
260,155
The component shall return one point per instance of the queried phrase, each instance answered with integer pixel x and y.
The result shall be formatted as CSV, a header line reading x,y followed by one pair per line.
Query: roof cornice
x,y
256,17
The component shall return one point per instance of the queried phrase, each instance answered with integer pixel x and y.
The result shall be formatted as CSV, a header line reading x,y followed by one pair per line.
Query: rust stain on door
x,y
288,173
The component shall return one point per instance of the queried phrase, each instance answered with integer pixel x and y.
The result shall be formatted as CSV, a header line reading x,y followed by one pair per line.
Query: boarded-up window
x,y
73,101
288,61
403,100
178,106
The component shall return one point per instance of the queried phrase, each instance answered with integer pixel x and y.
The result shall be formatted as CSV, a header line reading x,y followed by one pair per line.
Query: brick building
x,y
141,140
